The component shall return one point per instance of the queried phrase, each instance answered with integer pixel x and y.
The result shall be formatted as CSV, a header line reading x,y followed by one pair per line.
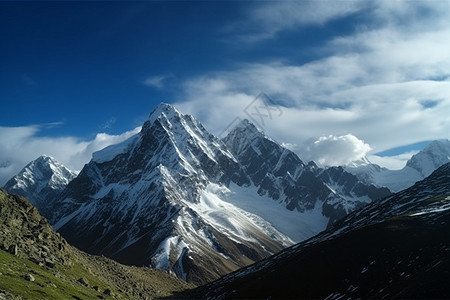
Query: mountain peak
x,y
245,133
246,124
45,159
163,109
41,181
247,130
433,156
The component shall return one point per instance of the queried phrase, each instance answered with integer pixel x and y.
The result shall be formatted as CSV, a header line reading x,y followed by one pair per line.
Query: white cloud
x,y
377,83
334,150
23,144
265,20
155,81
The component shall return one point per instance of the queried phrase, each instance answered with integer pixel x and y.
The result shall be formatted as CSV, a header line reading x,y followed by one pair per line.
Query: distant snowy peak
x,y
419,166
436,154
41,181
43,169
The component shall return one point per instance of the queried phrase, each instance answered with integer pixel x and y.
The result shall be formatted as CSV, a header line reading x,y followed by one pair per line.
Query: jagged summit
x,y
163,110
244,134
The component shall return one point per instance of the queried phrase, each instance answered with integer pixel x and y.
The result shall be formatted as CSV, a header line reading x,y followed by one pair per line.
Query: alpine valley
x,y
178,198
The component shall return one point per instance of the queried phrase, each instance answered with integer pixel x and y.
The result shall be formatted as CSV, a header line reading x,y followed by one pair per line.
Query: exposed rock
x,y
49,263
83,281
26,234
13,249
29,277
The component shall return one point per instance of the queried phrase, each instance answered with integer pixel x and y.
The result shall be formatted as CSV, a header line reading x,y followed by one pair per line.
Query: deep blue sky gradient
x,y
82,64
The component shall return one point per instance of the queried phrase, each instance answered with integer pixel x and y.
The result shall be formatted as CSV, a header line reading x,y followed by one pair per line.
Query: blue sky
x,y
352,78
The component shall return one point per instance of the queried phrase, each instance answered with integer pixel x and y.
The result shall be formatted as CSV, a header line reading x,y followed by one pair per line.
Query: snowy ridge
x,y
108,153
402,241
280,174
436,154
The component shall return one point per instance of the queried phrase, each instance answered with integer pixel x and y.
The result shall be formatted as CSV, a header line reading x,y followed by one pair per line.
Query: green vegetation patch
x,y
437,198
59,283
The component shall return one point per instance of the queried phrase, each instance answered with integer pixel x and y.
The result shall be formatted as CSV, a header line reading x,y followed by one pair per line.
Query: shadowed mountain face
x,y
396,248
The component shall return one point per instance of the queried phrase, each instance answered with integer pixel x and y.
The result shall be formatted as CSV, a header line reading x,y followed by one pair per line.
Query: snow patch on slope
x,y
297,225
108,153
235,222
240,210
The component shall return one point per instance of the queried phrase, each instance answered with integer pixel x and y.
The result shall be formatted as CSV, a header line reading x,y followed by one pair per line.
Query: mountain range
x,y
176,197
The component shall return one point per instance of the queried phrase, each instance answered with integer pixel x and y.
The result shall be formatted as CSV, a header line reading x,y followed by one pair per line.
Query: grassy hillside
x,y
37,263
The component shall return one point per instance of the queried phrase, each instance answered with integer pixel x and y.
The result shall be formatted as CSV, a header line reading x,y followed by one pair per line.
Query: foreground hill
x,y
396,248
37,263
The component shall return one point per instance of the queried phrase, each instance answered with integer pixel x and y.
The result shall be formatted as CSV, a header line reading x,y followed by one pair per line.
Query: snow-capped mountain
x,y
157,199
436,154
176,197
281,175
397,247
419,166
41,181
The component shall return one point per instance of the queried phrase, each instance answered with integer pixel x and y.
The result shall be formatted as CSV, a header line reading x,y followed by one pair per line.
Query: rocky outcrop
x,y
25,233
